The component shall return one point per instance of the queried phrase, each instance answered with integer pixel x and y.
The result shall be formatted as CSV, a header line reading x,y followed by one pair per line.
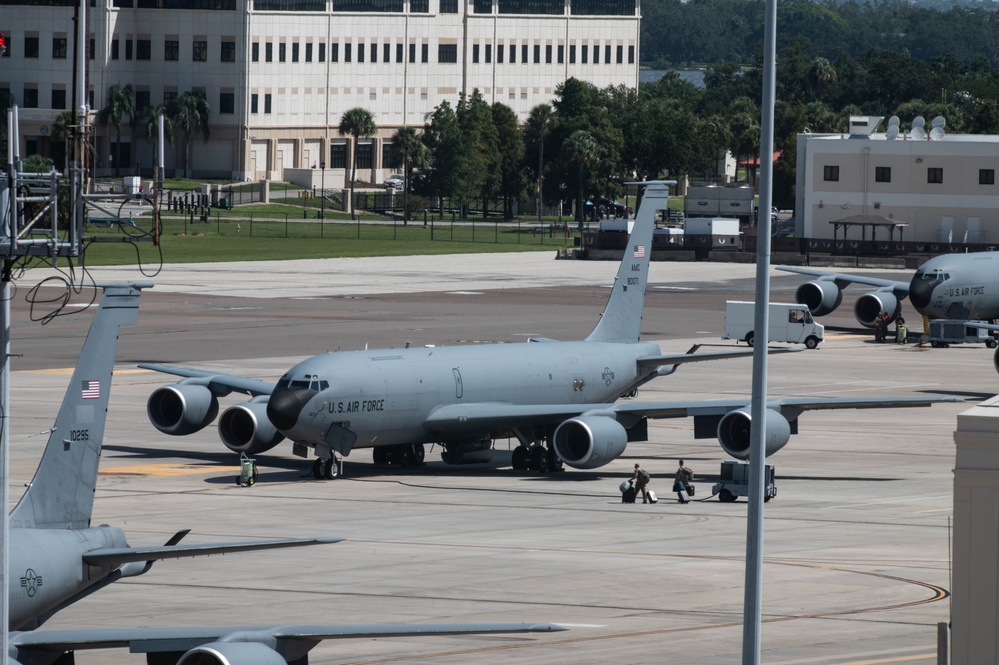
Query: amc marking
x,y
607,376
30,582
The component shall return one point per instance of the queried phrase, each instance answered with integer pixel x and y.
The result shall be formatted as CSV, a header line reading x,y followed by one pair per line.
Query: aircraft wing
x,y
842,279
218,383
460,417
691,357
982,326
290,642
115,556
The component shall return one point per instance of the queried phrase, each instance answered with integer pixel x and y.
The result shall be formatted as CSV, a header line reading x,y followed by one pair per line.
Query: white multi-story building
x,y
941,187
279,74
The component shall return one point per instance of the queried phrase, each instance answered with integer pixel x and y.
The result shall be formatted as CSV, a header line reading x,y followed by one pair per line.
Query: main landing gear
x,y
327,468
405,455
536,458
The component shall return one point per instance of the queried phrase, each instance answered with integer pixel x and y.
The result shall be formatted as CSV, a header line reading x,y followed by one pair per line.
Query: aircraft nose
x,y
285,405
921,290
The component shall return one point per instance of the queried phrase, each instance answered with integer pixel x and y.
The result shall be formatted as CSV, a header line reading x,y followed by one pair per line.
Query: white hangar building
x,y
280,73
941,186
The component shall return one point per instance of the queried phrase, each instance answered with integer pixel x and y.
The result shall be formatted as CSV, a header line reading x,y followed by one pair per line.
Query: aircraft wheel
x,y
991,343
239,481
554,461
521,458
404,456
446,456
766,498
380,455
726,497
811,342
750,338
539,459
253,475
331,469
419,453
317,469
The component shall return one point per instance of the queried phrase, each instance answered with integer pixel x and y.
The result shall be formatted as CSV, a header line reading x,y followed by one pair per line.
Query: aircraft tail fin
x,y
61,495
621,320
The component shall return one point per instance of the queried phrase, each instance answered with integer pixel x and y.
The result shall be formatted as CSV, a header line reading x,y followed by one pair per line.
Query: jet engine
x,y
733,432
245,428
821,296
869,305
232,653
181,408
995,360
588,442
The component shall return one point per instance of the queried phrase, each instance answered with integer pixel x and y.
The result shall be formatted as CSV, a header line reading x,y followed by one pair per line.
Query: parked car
x,y
395,181
615,208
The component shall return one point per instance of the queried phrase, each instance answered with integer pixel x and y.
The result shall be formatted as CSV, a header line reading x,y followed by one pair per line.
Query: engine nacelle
x,y
588,442
869,305
232,653
820,296
733,432
245,428
181,408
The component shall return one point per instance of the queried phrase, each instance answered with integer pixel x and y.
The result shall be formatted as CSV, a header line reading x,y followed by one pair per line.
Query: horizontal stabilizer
x,y
116,556
681,358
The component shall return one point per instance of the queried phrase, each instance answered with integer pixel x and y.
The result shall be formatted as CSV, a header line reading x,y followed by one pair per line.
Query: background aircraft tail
x,y
61,495
621,320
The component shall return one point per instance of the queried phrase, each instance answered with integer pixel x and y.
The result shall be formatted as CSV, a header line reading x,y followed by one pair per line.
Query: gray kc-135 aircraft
x,y
57,558
560,399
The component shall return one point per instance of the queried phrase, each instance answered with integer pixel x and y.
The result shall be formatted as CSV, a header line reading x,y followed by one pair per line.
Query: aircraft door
x,y
458,388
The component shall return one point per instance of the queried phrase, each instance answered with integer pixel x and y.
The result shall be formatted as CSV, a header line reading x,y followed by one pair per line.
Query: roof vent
x,y
862,126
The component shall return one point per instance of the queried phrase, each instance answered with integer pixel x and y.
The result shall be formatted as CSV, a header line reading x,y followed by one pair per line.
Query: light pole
x,y
322,192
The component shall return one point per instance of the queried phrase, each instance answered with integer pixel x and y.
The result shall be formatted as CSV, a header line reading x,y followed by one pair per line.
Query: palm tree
x,y
408,147
541,119
190,112
150,117
356,122
120,102
582,149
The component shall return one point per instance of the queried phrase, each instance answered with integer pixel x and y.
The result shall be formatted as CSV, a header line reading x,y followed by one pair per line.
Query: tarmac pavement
x,y
856,547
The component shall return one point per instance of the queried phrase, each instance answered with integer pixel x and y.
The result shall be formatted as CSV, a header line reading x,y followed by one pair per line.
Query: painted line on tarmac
x,y
166,470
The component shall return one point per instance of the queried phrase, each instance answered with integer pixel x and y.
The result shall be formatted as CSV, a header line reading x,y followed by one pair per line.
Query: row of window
x,y
29,99
446,53
934,175
534,7
137,49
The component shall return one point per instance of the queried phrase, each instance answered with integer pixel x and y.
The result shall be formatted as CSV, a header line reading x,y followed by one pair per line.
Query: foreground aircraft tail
x,y
621,320
61,495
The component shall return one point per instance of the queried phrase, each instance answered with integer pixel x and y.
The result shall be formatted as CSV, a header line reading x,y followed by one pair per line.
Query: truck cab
x,y
788,322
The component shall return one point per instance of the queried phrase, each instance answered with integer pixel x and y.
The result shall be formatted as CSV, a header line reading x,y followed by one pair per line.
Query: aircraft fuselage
x,y
957,286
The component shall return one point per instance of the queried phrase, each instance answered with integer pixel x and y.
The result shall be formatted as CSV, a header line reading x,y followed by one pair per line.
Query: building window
x,y
584,54
338,156
390,160
386,52
268,52
31,98
419,6
91,49
412,52
290,5
603,7
254,103
168,97
499,54
294,51
882,174
267,102
934,175
143,49
200,51
171,50
532,7
308,52
31,47
561,54
475,53
489,52
360,52
572,54
59,48
631,54
986,176
373,48
335,52
447,53
227,103
141,100
282,51
830,173
322,52
449,6
229,52
537,54
398,52
607,53
620,54
364,155
482,7
58,99
6,53
513,53
523,53
114,49
425,53
347,55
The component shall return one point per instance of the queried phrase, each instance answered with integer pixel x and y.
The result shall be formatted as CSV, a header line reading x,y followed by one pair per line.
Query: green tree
x,y
120,103
479,166
190,113
581,149
511,156
443,139
356,123
406,147
536,131
822,76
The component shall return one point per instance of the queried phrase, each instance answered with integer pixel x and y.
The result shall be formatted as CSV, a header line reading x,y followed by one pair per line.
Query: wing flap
x,y
116,556
218,383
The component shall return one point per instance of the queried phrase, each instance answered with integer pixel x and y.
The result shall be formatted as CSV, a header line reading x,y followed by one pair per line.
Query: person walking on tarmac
x,y
683,476
880,327
641,481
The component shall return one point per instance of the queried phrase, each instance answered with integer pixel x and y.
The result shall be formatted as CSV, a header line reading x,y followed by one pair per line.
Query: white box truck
x,y
789,322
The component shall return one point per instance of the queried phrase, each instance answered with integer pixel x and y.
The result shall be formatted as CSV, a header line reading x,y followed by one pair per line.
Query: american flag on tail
x,y
91,390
